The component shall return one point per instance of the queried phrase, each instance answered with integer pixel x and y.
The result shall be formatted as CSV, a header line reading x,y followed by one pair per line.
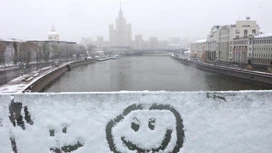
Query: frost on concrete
x,y
129,122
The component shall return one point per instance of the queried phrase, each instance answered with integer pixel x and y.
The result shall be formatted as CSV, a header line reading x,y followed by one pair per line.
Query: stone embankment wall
x,y
48,79
260,77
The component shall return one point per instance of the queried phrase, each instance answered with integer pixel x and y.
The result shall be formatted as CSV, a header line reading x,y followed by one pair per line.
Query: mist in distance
x,y
74,19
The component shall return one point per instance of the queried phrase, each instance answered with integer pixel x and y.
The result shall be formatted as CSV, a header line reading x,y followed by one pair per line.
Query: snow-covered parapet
x,y
129,122
264,35
201,41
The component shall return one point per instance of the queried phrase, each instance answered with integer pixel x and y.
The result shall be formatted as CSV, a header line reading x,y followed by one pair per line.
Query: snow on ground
x,y
224,122
17,85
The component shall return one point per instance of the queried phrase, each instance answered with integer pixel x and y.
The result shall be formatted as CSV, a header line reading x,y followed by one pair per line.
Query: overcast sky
x,y
73,19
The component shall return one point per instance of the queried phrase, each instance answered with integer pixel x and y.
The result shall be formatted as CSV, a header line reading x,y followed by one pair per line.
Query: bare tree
x,y
15,57
90,48
25,52
56,51
2,52
46,51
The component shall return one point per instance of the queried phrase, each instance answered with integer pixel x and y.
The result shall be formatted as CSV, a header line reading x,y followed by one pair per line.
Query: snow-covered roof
x,y
99,51
52,33
201,41
174,44
11,39
264,35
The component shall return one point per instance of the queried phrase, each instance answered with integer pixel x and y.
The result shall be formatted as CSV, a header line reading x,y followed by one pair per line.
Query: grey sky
x,y
73,19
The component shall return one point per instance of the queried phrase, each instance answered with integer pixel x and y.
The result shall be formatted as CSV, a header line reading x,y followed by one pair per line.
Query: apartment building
x,y
198,49
220,41
261,52
226,35
211,45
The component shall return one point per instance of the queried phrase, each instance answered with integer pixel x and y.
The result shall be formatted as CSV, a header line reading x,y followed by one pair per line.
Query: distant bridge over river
x,y
132,52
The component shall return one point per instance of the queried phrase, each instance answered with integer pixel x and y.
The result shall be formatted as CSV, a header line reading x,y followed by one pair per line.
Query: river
x,y
153,73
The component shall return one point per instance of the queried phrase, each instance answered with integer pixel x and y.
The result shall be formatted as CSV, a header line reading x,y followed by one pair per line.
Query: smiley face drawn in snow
x,y
140,128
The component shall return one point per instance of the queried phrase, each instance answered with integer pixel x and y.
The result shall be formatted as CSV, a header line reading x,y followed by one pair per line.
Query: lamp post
x,y
5,71
37,59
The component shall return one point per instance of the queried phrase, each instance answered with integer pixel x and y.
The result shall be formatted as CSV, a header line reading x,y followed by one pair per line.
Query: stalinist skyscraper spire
x,y
120,34
120,11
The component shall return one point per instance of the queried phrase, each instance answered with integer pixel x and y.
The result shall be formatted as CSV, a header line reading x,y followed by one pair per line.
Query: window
x,y
245,32
253,31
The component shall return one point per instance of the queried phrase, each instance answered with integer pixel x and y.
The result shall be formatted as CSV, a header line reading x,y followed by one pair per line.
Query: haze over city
x,y
74,19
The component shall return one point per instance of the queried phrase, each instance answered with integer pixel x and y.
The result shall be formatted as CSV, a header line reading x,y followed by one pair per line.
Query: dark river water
x,y
146,73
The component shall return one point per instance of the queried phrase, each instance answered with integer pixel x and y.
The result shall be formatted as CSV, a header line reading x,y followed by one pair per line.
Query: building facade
x,y
261,52
138,44
257,50
240,50
211,45
240,43
198,49
245,28
226,35
220,41
120,34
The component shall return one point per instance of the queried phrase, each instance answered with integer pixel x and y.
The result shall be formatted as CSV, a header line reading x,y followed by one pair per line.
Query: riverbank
x,y
10,73
37,81
259,77
45,81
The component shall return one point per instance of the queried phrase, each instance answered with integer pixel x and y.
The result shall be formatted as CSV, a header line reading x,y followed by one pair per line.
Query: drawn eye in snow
x,y
140,128
15,114
64,148
17,119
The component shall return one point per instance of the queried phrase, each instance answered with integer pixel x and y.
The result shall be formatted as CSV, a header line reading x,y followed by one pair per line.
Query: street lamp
x,y
5,71
37,59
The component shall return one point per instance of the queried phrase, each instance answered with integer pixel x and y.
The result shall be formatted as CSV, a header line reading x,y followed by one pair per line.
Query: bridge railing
x,y
126,122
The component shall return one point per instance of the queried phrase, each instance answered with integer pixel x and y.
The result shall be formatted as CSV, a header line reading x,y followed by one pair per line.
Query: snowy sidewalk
x,y
18,84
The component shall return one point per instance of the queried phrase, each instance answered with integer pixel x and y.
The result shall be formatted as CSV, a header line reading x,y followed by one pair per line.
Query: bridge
x,y
128,51
154,52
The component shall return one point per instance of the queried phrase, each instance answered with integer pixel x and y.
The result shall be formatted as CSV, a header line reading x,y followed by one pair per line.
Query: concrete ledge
x,y
176,122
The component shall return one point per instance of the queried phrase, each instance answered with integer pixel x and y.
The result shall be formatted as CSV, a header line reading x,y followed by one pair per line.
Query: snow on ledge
x,y
264,35
129,121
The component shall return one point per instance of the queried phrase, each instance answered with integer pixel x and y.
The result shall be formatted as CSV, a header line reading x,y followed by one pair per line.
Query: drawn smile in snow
x,y
140,128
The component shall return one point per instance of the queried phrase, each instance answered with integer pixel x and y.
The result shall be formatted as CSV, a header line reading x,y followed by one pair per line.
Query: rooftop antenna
x,y
247,17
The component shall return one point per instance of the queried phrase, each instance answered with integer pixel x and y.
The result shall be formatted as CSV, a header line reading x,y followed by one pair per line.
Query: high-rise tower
x,y
120,34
